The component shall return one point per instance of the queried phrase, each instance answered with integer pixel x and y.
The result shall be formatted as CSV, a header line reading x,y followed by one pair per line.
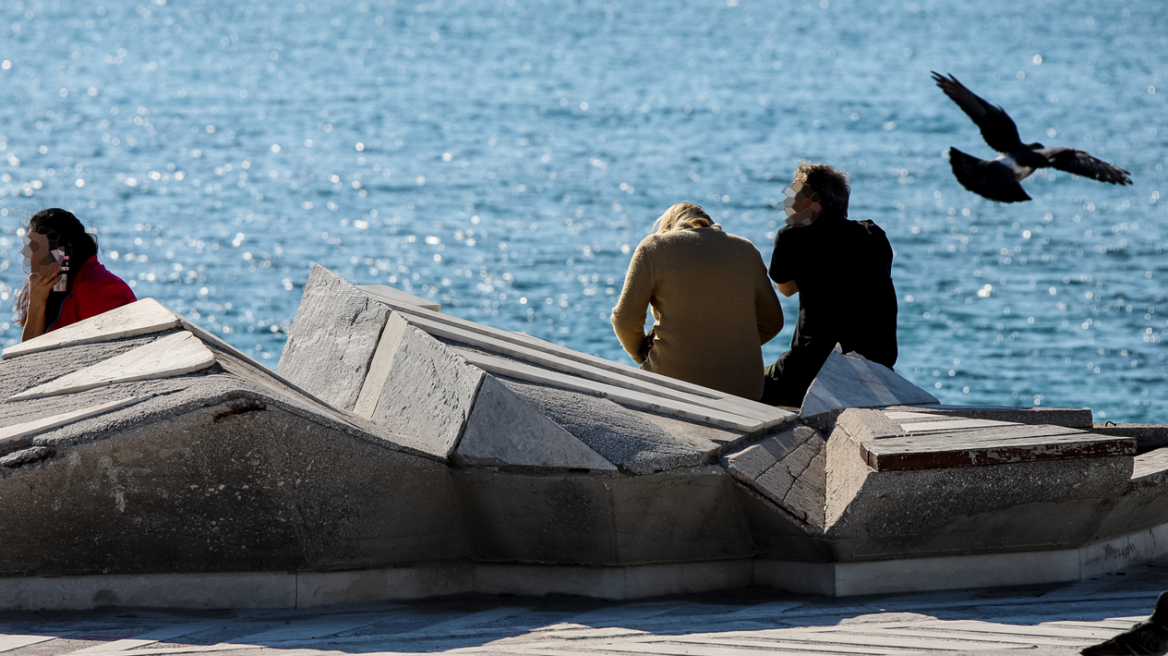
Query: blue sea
x,y
504,157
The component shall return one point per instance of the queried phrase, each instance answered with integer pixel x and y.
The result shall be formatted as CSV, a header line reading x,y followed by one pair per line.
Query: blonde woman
x,y
713,306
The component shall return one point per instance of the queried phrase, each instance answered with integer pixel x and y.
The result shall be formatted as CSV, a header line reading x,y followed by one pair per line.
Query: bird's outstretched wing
x,y
992,180
997,128
1080,163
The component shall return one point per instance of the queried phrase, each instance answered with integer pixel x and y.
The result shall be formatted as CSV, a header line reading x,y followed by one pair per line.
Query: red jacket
x,y
95,290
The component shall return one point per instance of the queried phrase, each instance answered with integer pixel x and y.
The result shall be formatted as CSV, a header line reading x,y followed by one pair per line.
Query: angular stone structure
x,y
399,451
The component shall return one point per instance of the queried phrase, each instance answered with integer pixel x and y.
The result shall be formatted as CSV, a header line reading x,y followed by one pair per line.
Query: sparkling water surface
x,y
505,157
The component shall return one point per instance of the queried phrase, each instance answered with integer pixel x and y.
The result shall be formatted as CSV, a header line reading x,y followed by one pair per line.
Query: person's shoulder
x,y
869,226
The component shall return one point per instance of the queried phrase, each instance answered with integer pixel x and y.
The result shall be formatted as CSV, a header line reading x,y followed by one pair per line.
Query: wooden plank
x,y
768,415
617,394
945,451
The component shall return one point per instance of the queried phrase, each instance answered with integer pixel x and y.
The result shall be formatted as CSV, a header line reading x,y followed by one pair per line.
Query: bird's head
x,y
1160,614
1035,146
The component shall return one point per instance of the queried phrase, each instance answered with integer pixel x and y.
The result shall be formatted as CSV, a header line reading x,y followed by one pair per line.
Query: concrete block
x,y
17,434
429,392
687,578
596,582
527,518
141,317
788,469
852,381
241,484
679,516
332,339
359,586
503,430
955,572
196,591
1148,436
707,439
173,355
796,576
632,443
1021,506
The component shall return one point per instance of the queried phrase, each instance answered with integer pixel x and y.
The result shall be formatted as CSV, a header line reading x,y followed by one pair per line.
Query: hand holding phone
x,y
62,260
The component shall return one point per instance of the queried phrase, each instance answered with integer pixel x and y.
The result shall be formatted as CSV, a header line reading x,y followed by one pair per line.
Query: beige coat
x,y
713,307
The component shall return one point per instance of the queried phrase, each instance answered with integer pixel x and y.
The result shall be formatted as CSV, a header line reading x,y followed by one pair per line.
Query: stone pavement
x,y
1048,619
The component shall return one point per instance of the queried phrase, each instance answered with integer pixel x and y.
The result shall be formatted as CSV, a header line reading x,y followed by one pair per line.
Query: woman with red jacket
x,y
53,298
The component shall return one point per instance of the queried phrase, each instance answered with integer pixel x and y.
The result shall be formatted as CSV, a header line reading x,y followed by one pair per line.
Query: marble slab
x,y
627,397
332,339
16,432
504,430
852,381
398,296
141,317
173,355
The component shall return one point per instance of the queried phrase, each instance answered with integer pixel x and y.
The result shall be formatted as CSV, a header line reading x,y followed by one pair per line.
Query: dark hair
x,y
68,231
829,182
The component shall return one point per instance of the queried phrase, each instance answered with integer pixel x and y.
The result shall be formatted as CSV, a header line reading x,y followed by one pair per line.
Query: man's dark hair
x,y
67,230
829,182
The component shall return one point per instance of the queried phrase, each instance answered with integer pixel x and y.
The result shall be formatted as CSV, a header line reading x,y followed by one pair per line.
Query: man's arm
x,y
788,288
628,317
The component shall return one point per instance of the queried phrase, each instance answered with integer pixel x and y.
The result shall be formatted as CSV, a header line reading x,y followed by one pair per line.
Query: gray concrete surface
x,y
1037,620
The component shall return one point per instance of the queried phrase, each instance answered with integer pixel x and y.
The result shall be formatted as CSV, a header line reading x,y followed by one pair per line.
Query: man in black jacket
x,y
842,271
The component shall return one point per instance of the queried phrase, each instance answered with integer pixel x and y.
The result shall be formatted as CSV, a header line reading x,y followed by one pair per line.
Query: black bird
x,y
998,179
1148,638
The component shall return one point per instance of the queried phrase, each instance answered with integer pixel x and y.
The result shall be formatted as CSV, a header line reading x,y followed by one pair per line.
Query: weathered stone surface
x,y
395,295
851,381
381,365
428,394
533,518
243,485
682,515
787,468
1052,504
707,439
503,430
174,355
332,339
141,317
1148,436
17,433
635,445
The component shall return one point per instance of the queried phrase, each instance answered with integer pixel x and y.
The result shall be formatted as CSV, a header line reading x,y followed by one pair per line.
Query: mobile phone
x,y
63,260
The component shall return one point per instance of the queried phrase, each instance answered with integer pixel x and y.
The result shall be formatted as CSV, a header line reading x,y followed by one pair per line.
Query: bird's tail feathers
x,y
991,180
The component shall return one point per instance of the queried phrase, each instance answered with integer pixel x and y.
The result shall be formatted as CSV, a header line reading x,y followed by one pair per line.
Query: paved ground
x,y
1053,619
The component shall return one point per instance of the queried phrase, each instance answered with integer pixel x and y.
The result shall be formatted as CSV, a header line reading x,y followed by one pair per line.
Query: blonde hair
x,y
829,182
682,216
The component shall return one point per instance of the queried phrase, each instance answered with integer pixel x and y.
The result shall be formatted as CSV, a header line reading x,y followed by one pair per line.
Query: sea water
x,y
505,157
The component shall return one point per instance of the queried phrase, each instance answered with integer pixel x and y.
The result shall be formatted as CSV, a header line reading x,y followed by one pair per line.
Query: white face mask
x,y
802,205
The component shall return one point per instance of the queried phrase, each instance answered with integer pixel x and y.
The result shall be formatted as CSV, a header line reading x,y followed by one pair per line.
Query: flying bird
x,y
1148,638
999,179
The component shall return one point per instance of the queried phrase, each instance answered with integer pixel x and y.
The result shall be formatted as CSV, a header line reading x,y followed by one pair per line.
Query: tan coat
x,y
713,307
